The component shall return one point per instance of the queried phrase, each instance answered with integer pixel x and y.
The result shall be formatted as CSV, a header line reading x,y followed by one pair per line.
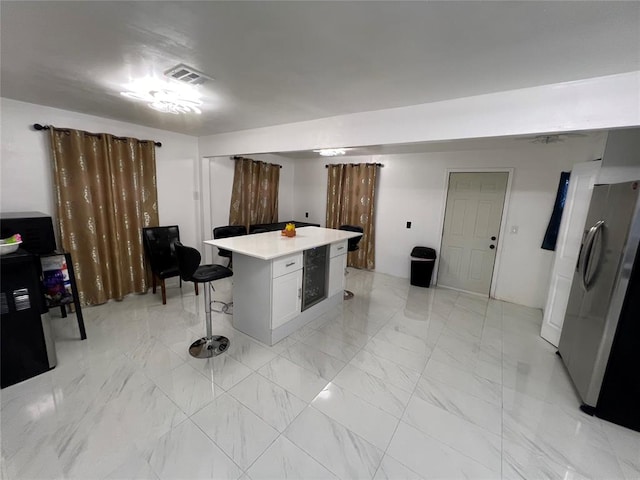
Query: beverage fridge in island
x,y
314,283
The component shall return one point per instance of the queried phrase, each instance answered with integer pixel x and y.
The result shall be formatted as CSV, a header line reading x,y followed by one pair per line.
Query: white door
x,y
471,227
286,298
576,207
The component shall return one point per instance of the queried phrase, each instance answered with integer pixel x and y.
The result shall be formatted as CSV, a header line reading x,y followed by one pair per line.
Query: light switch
x,y
514,229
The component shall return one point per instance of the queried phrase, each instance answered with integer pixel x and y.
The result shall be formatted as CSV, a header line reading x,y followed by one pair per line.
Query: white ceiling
x,y
280,62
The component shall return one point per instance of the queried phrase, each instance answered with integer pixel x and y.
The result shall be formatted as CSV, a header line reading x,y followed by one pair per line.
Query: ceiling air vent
x,y
186,74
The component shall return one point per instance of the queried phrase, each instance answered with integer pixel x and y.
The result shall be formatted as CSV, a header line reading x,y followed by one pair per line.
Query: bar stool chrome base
x,y
209,347
348,295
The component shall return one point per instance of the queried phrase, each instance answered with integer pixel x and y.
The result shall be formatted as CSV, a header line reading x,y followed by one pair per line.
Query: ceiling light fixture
x,y
331,152
165,97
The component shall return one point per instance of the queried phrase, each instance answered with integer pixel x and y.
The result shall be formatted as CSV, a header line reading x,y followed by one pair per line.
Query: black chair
x,y
192,271
226,232
159,246
352,247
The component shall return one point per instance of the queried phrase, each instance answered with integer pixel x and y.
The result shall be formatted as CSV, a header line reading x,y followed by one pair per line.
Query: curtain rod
x,y
237,157
376,164
37,126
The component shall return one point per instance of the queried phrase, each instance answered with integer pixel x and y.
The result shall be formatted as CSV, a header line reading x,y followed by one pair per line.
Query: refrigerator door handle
x,y
587,252
584,256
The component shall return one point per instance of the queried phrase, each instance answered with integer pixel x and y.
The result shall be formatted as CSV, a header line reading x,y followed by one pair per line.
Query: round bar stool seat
x,y
191,270
211,272
226,232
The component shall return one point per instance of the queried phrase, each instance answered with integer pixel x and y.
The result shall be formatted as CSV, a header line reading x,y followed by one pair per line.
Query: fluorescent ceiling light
x,y
331,152
164,96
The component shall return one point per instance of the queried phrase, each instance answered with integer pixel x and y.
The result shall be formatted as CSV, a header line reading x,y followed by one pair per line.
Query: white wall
x,y
621,162
592,104
25,162
216,203
412,188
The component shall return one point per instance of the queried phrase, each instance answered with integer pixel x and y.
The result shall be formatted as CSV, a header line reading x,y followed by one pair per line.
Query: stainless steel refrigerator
x,y
600,340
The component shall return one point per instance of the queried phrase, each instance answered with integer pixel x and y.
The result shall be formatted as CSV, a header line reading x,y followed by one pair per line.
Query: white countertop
x,y
271,245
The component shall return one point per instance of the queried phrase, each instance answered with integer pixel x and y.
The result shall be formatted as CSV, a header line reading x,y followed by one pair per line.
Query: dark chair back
x,y
159,245
188,261
226,232
353,242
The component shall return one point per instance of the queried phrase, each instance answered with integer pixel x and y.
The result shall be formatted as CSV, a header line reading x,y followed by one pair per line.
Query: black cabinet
x,y
36,229
26,344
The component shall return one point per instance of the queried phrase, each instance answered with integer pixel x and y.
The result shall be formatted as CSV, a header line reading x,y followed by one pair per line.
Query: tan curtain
x,y
351,190
254,196
105,190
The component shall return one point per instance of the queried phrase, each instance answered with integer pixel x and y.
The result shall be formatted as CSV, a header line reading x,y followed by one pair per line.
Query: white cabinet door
x,y
286,298
576,207
336,274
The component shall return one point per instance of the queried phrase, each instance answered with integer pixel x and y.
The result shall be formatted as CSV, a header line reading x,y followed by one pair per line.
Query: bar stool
x,y
191,271
227,232
352,247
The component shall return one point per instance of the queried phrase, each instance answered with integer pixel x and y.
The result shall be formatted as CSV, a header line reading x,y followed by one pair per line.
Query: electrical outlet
x,y
306,214
408,224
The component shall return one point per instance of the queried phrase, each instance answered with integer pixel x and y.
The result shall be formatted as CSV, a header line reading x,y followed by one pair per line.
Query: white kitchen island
x,y
274,291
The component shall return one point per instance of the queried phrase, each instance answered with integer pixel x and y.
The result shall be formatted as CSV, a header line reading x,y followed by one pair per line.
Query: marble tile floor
x,y
400,382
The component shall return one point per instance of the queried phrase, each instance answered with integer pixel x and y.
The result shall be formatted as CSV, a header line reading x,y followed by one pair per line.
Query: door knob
x,y
492,247
493,238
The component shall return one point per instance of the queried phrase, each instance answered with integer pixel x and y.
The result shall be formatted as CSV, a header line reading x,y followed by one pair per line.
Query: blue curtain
x,y
551,235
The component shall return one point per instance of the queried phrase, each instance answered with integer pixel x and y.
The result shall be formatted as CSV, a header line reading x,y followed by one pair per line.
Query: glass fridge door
x,y
314,284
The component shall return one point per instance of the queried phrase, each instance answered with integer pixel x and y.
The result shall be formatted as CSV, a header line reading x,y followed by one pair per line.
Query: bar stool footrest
x,y
209,347
223,308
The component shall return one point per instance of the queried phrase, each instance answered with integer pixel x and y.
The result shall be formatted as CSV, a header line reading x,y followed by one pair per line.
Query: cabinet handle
x,y
340,248
289,264
300,292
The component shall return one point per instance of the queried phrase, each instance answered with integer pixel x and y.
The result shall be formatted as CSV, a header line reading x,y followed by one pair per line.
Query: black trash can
x,y
422,261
